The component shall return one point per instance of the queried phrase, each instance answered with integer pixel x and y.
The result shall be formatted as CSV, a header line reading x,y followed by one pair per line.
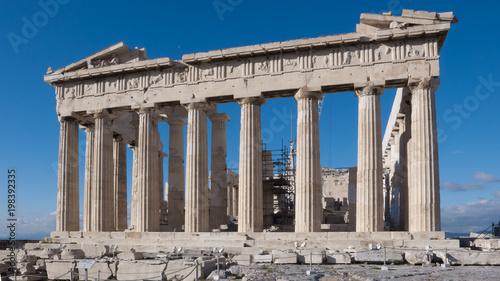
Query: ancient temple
x,y
118,96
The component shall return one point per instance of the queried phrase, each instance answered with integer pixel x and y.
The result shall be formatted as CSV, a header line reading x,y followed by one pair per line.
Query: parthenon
x,y
118,96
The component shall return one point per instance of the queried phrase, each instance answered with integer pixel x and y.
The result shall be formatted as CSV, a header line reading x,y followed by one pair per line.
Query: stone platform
x,y
148,255
252,242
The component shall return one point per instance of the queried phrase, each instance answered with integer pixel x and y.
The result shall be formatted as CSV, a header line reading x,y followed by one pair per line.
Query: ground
x,y
273,272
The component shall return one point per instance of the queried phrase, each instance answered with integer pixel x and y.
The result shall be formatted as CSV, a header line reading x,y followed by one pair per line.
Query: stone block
x,y
428,235
48,253
418,257
130,255
284,256
317,257
243,259
338,258
72,254
59,269
464,257
103,268
377,256
263,258
139,270
94,250
436,244
181,268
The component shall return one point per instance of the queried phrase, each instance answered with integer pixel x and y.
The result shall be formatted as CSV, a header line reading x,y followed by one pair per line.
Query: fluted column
x,y
88,191
175,194
148,204
120,183
229,195
67,179
402,171
423,167
369,192
133,201
250,218
308,192
235,201
197,218
102,174
218,174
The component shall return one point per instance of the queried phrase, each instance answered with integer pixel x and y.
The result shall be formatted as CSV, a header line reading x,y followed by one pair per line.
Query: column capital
x,y
71,119
424,83
118,137
303,94
104,113
369,90
257,100
219,117
147,110
196,105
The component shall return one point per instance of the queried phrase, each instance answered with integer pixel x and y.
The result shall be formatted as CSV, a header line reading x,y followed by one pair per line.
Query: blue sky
x,y
467,100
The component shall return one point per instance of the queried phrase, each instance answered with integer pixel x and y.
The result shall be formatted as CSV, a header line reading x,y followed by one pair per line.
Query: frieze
x,y
304,60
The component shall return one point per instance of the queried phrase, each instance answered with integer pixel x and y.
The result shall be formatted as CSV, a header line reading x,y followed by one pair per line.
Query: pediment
x,y
118,53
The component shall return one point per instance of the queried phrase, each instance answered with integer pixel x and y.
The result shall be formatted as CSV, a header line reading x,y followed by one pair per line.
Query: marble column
x,y
102,174
88,191
235,201
229,195
369,192
175,194
218,174
402,171
120,183
308,192
148,203
67,179
197,209
250,218
423,167
133,202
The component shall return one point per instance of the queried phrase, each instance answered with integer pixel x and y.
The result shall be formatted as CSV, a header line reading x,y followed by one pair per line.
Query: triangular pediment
x,y
118,53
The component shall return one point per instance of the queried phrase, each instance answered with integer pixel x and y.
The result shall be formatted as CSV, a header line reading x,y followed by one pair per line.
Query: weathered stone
x,y
377,256
418,257
338,258
130,255
140,270
95,250
304,256
243,259
59,269
72,254
284,256
263,258
461,257
48,253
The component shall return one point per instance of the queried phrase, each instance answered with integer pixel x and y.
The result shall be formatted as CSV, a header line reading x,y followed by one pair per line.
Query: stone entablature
x,y
376,52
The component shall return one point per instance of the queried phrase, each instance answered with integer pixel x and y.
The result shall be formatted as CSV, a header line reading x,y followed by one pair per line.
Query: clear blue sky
x,y
469,149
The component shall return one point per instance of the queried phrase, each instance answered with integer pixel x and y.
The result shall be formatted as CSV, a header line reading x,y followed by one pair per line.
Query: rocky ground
x,y
361,272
